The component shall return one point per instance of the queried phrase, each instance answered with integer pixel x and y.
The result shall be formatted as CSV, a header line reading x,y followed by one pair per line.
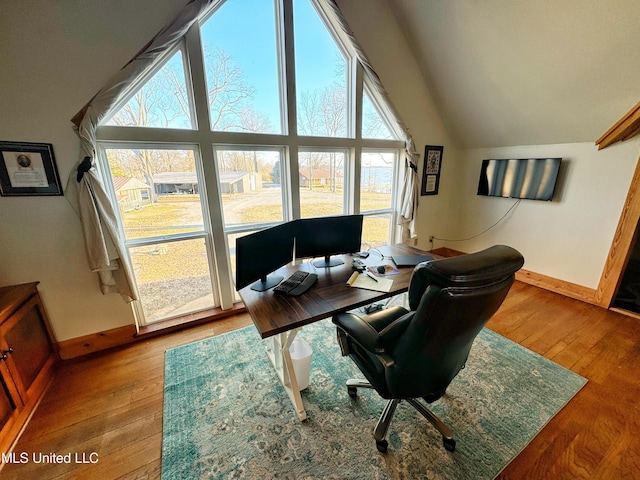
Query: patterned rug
x,y
226,415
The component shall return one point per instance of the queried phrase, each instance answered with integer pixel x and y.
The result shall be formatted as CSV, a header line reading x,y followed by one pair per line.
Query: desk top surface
x,y
272,313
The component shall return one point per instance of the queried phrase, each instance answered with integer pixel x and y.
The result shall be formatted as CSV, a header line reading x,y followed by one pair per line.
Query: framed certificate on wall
x,y
28,169
431,170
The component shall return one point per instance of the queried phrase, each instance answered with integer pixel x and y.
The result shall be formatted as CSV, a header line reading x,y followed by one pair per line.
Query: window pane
x,y
157,191
321,76
250,184
373,125
376,177
173,278
241,66
162,102
375,231
321,183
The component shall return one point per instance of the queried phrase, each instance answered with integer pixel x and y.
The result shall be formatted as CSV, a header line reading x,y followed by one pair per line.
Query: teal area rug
x,y
226,415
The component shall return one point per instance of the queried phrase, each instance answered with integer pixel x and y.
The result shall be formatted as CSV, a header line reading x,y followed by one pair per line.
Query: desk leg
x,y
280,356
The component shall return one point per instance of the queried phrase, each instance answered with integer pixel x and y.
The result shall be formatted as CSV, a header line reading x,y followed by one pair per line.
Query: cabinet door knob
x,y
6,353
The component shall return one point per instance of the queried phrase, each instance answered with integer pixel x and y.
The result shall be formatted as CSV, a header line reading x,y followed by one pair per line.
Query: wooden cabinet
x,y
27,358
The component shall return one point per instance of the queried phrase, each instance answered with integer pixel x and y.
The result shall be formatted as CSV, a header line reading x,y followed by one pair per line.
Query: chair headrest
x,y
484,267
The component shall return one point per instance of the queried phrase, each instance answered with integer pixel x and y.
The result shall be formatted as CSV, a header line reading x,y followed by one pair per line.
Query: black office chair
x,y
407,355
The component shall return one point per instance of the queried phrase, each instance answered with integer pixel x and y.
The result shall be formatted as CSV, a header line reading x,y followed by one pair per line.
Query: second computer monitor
x,y
328,236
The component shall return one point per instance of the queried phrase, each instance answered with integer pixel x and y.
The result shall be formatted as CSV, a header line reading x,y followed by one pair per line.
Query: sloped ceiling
x,y
522,72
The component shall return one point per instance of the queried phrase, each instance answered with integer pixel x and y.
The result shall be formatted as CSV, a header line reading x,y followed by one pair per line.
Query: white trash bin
x,y
301,359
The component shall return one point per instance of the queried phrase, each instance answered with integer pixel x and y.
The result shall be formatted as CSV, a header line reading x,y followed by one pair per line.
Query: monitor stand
x,y
265,283
327,262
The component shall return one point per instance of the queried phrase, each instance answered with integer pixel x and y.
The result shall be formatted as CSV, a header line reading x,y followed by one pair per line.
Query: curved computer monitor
x,y
259,254
328,236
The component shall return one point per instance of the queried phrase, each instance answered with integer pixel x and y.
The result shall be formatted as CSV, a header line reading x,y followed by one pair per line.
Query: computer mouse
x,y
381,269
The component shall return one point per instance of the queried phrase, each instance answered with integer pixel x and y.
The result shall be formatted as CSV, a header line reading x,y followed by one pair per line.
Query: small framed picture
x,y
431,170
28,169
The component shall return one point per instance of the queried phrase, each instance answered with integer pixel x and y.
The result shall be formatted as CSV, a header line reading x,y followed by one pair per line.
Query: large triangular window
x,y
253,122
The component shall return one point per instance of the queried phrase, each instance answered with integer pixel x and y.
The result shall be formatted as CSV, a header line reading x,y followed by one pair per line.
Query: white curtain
x,y
409,195
85,190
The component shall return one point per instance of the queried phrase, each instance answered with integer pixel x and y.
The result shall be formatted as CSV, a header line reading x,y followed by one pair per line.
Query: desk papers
x,y
361,280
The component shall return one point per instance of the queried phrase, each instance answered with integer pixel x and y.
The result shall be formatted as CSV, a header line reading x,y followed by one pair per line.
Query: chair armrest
x,y
364,330
361,331
383,318
390,335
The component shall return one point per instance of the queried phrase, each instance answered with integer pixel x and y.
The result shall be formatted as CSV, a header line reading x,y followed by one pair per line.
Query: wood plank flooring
x,y
111,404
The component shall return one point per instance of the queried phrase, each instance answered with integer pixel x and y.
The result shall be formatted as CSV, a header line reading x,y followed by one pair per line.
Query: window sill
x,y
185,321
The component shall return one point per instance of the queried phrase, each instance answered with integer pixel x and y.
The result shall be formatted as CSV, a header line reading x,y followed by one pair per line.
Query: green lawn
x,y
185,259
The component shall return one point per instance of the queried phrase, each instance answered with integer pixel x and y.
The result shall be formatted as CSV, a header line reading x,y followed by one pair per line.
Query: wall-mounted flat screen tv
x,y
529,178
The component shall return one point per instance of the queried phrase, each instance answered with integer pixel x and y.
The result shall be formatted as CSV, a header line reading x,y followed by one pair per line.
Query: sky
x,y
246,30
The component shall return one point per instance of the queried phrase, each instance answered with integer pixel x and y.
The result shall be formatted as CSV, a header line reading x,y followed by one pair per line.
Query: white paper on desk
x,y
364,281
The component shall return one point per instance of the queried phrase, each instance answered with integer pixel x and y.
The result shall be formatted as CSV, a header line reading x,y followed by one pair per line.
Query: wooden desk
x,y
279,318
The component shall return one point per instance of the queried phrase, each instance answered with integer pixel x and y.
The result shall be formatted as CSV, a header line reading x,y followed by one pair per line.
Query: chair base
x,y
381,428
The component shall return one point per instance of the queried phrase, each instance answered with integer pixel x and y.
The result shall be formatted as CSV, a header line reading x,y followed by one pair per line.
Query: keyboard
x,y
296,284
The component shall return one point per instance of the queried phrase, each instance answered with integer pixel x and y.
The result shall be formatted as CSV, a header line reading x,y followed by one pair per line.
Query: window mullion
x,y
353,187
197,77
357,89
218,239
356,120
293,177
176,237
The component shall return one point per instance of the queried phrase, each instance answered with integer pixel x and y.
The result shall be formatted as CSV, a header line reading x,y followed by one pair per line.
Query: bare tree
x,y
228,91
164,102
323,112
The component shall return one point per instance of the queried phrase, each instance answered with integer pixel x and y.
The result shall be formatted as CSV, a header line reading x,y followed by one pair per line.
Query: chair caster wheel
x,y
382,446
352,391
449,444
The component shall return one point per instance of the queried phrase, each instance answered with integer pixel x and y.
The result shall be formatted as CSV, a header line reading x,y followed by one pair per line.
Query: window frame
x,y
205,233
206,141
146,75
284,184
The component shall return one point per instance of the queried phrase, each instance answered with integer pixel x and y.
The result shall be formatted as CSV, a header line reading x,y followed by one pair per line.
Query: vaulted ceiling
x,y
522,72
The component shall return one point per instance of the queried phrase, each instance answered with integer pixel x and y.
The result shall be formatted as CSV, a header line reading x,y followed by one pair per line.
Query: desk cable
x,y
378,252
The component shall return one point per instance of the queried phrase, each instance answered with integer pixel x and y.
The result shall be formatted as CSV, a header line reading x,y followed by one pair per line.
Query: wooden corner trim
x,y
626,127
621,244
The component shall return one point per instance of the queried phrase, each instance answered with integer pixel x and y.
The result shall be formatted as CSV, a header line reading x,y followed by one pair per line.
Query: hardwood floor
x,y
111,405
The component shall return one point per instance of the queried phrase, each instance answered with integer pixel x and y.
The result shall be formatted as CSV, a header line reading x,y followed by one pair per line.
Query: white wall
x,y
55,56
560,71
568,238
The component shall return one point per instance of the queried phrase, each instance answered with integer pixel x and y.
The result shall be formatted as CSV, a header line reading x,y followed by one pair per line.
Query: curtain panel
x,y
85,190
